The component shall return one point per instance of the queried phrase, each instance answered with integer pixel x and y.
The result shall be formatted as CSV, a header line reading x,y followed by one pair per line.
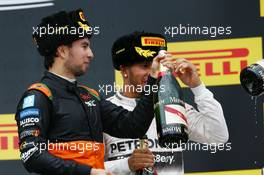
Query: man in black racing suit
x,y
61,123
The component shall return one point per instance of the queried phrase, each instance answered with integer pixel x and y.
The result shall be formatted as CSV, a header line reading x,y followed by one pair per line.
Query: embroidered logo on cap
x,y
121,50
84,26
81,15
153,41
144,53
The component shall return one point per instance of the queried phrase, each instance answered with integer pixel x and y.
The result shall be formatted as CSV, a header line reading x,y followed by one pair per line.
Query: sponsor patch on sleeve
x,y
28,101
26,155
29,112
29,121
26,145
28,133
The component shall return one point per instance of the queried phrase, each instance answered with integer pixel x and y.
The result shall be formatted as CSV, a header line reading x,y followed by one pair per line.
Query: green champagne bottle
x,y
143,143
170,112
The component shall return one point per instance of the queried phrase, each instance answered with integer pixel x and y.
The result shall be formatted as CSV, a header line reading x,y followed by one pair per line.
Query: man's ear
x,y
124,71
62,51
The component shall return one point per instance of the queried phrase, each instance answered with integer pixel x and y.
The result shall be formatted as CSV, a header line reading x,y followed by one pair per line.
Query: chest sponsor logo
x,y
168,162
168,157
128,146
85,97
164,159
90,103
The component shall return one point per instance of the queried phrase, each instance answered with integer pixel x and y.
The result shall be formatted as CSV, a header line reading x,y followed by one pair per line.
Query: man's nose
x,y
90,54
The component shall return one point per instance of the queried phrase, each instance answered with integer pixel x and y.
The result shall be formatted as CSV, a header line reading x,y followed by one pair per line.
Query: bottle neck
x,y
164,70
143,143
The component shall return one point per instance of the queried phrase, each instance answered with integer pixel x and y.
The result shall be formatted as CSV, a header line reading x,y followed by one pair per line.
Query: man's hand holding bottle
x,y
185,70
140,158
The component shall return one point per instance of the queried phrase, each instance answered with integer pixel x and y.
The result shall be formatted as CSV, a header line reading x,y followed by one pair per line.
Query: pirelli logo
x,y
9,149
153,41
219,62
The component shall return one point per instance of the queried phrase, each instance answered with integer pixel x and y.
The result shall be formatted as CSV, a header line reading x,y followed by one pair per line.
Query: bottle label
x,y
175,114
171,129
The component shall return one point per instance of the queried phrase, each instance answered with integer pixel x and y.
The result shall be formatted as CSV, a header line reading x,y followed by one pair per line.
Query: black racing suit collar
x,y
58,81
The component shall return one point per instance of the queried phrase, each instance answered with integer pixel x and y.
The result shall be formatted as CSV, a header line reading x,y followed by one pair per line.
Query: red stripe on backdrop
x,y
235,53
3,142
15,142
8,125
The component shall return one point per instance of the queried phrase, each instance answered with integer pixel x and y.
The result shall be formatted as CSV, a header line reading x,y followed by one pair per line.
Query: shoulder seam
x,y
91,91
42,88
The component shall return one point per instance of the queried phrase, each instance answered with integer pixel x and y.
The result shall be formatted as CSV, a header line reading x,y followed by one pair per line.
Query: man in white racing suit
x,y
205,125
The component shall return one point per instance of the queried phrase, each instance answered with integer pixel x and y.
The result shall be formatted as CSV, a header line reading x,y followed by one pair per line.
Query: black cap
x,y
59,29
137,47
